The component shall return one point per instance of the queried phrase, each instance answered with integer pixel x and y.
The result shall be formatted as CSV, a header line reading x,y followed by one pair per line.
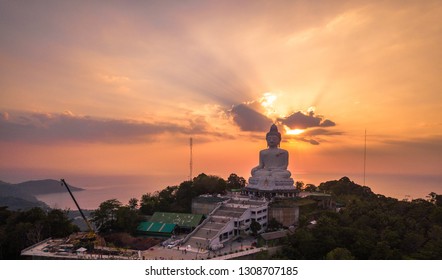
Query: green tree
x,y
127,220
166,198
58,224
148,204
184,197
310,188
133,204
179,198
104,217
20,229
274,224
235,182
208,184
339,254
255,227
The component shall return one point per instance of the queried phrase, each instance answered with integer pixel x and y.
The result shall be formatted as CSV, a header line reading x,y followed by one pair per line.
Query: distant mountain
x,y
38,187
10,190
22,195
16,203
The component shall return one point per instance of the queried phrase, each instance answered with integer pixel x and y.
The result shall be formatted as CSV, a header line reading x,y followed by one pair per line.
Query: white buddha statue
x,y
272,173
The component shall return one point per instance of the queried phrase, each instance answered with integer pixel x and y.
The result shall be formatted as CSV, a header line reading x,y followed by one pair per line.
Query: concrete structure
x,y
228,219
284,211
279,193
323,200
205,204
63,249
273,238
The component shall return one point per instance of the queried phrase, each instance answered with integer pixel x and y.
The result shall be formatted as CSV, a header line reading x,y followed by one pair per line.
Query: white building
x,y
230,218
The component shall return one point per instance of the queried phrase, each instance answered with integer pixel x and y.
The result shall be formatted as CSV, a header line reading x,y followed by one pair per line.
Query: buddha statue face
x,y
273,140
273,137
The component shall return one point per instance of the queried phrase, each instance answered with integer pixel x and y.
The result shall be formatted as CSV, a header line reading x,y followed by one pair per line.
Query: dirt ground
x,y
125,240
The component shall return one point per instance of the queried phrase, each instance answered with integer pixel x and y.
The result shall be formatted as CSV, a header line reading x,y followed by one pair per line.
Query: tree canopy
x,y
370,226
179,198
21,229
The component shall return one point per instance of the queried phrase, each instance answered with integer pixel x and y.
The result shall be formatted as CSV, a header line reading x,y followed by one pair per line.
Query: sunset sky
x,y
117,88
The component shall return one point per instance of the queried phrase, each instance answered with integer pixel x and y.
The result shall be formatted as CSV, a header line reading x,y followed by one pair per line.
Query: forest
x,y
366,225
369,226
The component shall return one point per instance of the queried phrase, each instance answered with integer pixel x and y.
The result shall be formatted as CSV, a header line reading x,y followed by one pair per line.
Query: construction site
x,y
221,233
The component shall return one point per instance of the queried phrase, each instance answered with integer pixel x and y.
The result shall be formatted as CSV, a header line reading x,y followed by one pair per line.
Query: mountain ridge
x,y
23,195
45,186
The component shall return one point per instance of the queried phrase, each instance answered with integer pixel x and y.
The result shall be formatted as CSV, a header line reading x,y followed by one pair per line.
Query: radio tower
x,y
190,162
365,152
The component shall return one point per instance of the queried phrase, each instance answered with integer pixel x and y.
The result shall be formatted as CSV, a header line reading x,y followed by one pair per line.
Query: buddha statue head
x,y
273,137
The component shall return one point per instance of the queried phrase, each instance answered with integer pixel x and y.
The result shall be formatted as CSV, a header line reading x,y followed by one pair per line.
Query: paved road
x,y
181,253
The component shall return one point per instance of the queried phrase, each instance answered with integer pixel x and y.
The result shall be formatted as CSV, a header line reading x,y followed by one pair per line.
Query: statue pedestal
x,y
270,187
270,183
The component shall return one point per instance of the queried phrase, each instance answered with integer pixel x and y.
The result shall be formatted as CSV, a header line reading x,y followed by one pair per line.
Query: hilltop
x,y
39,187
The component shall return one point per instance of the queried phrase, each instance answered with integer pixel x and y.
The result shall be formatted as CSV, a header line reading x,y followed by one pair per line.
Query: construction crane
x,y
91,235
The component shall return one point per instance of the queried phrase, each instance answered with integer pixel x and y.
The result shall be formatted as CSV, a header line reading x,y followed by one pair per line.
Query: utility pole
x,y
365,153
191,159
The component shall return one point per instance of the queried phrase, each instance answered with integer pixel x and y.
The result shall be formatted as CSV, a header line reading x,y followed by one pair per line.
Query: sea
x,y
402,187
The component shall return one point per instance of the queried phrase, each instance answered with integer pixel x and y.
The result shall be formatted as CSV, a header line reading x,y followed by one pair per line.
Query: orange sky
x,y
118,88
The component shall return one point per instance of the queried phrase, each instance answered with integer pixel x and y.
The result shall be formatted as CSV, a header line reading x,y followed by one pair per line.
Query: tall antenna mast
x,y
365,153
191,160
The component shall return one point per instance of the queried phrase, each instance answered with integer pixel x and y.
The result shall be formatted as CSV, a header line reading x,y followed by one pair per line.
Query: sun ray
x,y
267,103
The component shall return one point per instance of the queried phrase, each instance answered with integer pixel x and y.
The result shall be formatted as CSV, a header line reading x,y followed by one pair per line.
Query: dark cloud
x,y
314,127
249,119
303,121
50,128
311,141
327,123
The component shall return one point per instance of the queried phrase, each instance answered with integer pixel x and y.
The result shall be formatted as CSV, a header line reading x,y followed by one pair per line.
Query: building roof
x,y
291,202
180,219
156,227
275,234
209,199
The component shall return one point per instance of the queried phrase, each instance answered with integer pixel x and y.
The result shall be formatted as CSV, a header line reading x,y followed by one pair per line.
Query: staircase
x,y
215,224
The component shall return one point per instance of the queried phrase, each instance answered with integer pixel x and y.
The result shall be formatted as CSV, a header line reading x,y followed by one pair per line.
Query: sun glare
x,y
268,99
267,103
295,131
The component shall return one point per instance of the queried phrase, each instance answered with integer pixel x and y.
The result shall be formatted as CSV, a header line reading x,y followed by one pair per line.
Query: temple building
x,y
230,216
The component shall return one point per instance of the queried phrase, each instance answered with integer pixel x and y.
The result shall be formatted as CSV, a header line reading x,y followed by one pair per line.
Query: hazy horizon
x,y
99,189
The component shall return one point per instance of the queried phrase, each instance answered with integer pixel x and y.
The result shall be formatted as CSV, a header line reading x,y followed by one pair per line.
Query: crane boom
x,y
78,206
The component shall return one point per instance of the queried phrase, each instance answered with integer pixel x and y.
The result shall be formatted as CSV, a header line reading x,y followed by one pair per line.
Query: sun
x,y
295,131
268,99
267,103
